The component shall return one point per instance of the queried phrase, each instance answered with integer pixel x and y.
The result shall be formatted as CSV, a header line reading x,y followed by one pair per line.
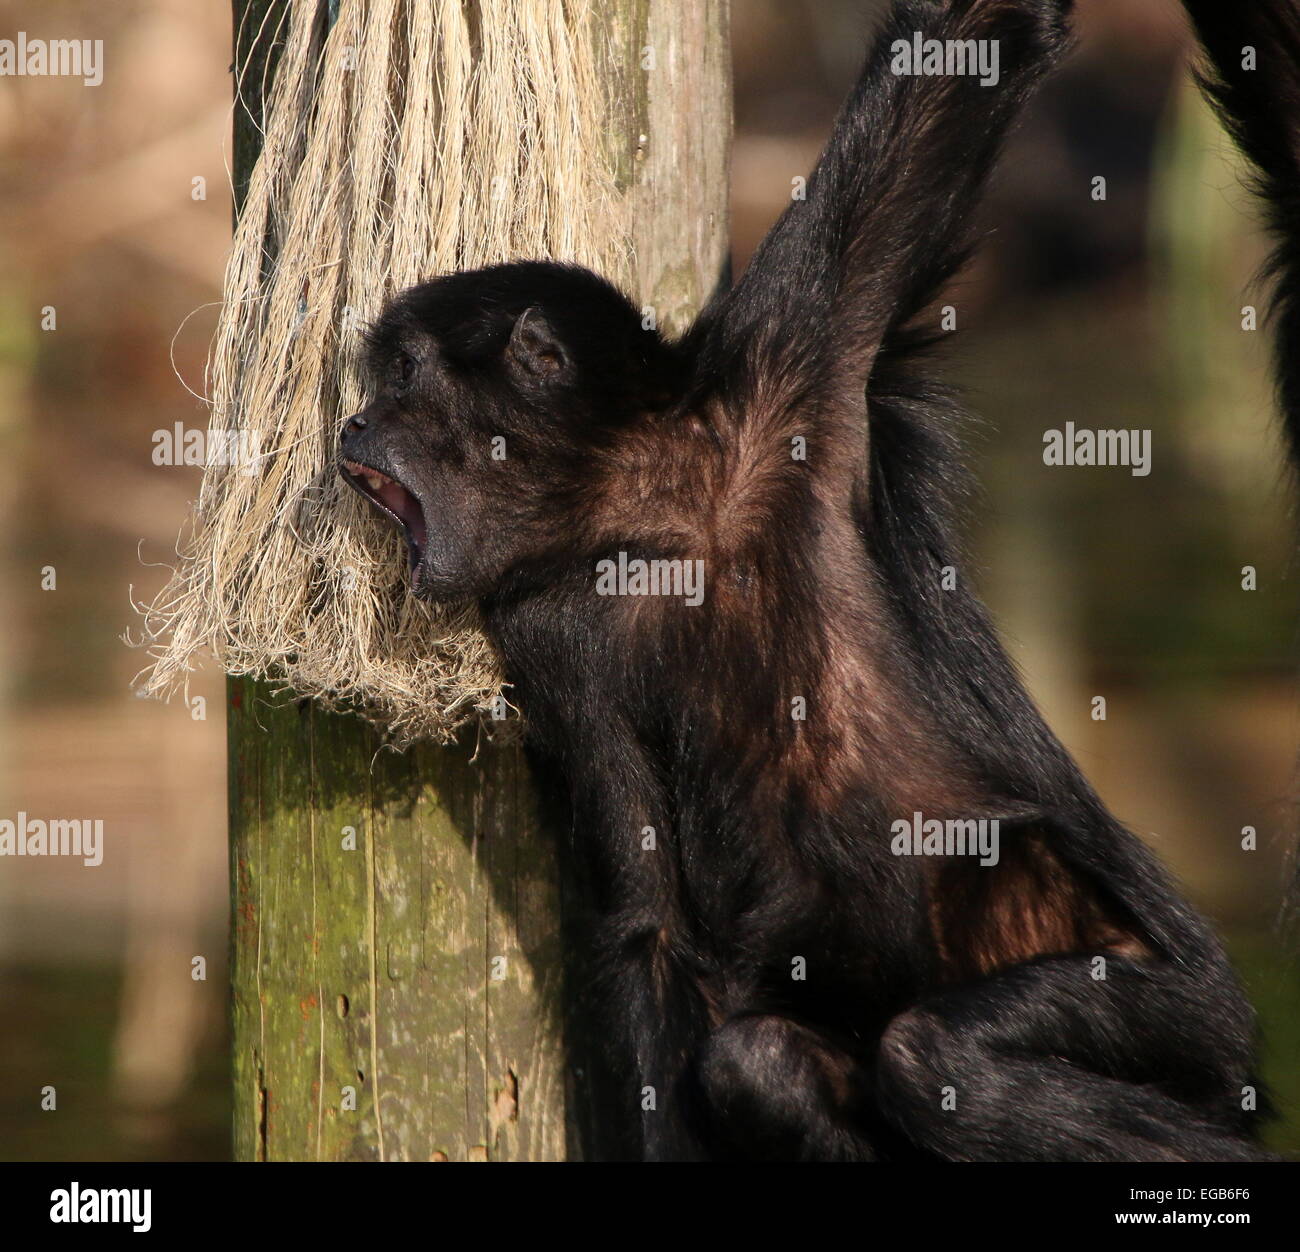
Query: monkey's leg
x,y
1041,1062
654,1018
772,1089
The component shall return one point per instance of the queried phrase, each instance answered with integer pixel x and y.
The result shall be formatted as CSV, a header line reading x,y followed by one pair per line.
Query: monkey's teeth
x,y
372,478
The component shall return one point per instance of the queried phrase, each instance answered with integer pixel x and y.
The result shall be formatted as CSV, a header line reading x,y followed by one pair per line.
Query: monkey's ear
x,y
536,348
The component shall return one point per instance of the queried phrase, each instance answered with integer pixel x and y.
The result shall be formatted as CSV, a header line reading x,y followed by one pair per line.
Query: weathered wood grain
x,y
397,959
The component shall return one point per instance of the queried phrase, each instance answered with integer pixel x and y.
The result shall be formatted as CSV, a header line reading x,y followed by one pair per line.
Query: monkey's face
x,y
495,394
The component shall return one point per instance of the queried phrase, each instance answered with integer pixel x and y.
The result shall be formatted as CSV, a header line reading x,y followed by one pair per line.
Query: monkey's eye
x,y
406,368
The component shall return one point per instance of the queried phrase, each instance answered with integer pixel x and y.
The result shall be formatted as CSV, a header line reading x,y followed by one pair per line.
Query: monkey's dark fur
x,y
1259,103
925,976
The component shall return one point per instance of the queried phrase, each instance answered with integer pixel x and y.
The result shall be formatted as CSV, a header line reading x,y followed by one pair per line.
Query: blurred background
x,y
1122,313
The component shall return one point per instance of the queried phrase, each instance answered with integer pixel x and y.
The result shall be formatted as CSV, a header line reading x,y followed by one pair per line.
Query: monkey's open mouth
x,y
394,500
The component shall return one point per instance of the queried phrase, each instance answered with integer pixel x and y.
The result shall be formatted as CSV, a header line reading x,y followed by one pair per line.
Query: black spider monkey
x,y
778,983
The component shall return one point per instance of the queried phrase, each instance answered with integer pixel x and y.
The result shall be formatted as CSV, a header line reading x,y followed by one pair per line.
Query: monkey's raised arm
x,y
1254,80
886,219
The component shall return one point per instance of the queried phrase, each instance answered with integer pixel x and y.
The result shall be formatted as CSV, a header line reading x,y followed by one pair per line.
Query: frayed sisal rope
x,y
408,144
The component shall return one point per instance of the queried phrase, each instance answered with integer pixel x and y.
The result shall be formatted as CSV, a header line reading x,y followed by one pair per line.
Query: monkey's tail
x,y
1251,74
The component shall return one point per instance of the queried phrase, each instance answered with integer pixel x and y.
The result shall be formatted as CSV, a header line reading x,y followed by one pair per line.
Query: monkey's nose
x,y
356,422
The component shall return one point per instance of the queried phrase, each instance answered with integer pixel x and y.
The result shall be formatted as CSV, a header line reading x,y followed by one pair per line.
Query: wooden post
x,y
397,962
